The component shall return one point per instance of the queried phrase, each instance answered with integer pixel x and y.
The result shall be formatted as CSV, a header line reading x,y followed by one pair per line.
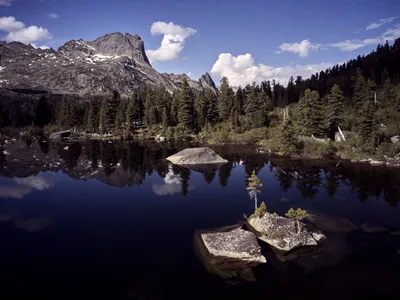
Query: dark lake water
x,y
117,221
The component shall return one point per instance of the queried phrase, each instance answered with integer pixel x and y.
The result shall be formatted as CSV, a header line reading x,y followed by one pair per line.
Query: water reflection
x,y
127,164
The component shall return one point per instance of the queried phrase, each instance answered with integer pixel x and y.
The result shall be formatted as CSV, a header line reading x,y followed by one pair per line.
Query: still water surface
x,y
116,221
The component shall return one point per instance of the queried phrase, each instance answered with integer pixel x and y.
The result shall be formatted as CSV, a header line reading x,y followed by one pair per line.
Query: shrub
x,y
387,149
260,211
315,149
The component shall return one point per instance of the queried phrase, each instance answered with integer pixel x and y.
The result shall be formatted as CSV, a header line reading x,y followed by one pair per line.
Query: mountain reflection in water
x,y
117,219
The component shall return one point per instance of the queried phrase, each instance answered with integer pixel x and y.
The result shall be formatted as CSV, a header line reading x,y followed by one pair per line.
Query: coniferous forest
x,y
359,96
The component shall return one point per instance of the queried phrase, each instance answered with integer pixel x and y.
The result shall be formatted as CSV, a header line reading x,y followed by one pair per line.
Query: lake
x,y
116,220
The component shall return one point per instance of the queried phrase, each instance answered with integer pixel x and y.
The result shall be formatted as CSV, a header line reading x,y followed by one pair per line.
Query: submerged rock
x,y
282,233
372,228
330,224
229,252
196,156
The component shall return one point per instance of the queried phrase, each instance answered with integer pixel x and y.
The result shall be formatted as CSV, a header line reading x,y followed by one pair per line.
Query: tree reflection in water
x,y
135,160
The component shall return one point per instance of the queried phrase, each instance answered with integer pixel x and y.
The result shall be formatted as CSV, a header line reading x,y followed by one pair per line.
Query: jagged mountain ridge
x,y
114,61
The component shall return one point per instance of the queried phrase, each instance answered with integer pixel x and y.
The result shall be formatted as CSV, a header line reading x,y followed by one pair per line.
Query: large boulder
x,y
229,252
283,233
196,156
58,136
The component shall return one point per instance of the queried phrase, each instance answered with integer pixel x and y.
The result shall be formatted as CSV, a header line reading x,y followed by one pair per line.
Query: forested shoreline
x,y
359,96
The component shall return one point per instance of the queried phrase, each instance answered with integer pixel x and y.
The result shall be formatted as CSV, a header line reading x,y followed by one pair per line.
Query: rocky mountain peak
x,y
118,44
113,62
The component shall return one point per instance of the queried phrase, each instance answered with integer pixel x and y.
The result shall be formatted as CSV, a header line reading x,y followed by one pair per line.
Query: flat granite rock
x,y
229,252
196,156
282,233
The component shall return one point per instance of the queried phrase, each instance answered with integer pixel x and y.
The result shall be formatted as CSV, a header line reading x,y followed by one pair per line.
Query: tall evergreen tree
x,y
255,107
90,121
131,115
185,110
120,117
334,111
311,117
149,109
212,107
226,99
390,98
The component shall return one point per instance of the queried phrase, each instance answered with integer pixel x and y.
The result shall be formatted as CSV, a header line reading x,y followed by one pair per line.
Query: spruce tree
x,y
390,98
175,107
359,90
164,118
106,115
202,107
149,109
211,99
255,107
311,115
334,111
239,101
90,122
185,110
120,117
226,99
130,113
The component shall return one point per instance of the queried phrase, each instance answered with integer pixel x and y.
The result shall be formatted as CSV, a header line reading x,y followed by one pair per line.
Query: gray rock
x,y
282,233
395,140
377,163
372,228
115,61
330,224
229,252
196,156
58,136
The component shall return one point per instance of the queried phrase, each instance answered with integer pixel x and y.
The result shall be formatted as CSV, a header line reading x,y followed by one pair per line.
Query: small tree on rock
x,y
253,186
298,215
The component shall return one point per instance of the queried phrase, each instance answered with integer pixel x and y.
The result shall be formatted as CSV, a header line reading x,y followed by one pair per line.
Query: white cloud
x,y
172,43
380,23
303,48
29,35
172,185
242,70
5,2
18,32
350,45
10,24
53,16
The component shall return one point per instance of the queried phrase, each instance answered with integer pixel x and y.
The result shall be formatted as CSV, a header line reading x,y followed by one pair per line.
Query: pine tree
x,y
334,111
390,98
255,107
165,118
130,113
202,107
359,90
253,187
366,111
106,120
149,109
90,121
175,107
226,98
298,215
311,116
239,101
288,138
185,110
211,99
120,117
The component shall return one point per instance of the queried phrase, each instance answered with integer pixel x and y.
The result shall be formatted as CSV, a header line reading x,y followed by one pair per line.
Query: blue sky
x,y
245,40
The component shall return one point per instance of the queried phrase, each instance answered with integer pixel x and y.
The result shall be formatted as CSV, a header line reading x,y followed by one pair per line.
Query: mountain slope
x,y
112,62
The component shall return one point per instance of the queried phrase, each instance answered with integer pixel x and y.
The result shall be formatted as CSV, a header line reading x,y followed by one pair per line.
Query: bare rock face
x,y
115,61
205,82
283,234
196,156
229,252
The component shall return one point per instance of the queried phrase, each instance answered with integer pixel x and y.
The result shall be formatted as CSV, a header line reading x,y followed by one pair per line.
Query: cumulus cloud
x,y
303,48
10,24
242,70
380,23
5,2
172,43
18,32
53,16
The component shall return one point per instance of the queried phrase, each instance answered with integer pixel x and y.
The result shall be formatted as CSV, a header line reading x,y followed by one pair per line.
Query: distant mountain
x,y
111,62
